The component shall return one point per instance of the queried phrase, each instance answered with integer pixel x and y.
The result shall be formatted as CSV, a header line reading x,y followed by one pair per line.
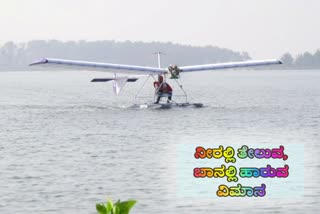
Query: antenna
x,y
159,57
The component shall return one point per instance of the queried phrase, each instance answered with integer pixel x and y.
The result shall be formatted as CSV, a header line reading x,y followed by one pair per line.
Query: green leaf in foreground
x,y
109,206
116,208
126,206
101,208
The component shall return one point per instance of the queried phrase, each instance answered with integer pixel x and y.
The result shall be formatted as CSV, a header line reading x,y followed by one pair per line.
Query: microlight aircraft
x,y
172,72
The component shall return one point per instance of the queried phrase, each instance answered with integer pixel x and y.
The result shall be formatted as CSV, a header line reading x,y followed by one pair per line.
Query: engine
x,y
174,71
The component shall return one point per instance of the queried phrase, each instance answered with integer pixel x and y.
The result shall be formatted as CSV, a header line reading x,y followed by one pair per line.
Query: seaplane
x,y
172,72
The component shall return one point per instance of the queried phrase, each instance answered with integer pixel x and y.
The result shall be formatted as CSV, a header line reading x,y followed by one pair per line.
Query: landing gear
x,y
181,97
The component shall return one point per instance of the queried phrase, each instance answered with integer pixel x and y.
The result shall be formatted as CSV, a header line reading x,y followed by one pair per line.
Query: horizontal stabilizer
x,y
110,79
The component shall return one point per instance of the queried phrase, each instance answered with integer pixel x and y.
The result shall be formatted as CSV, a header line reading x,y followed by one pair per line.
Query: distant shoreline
x,y
17,56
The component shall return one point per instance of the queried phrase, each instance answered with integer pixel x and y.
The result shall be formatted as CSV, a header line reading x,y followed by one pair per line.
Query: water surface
x,y
66,143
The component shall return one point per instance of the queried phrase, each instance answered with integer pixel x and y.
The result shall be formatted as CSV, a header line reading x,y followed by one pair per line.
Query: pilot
x,y
162,88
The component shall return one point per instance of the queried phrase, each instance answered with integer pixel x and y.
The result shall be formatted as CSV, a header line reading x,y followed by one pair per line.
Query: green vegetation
x,y
123,207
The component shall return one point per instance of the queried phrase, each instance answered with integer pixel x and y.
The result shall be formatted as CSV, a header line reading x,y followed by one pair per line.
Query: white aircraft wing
x,y
97,66
229,65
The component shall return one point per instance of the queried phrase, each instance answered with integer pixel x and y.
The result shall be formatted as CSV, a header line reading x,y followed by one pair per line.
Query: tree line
x,y
306,60
17,56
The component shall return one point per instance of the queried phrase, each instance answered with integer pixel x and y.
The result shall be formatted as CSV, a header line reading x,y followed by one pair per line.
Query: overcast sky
x,y
264,28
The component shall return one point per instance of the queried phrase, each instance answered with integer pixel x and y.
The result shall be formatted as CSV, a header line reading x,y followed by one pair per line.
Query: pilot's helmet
x,y
160,78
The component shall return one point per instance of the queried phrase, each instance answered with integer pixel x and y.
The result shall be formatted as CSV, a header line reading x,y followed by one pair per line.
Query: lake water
x,y
66,143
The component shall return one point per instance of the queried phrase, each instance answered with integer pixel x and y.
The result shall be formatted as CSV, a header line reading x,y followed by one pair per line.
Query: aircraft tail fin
x,y
118,84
